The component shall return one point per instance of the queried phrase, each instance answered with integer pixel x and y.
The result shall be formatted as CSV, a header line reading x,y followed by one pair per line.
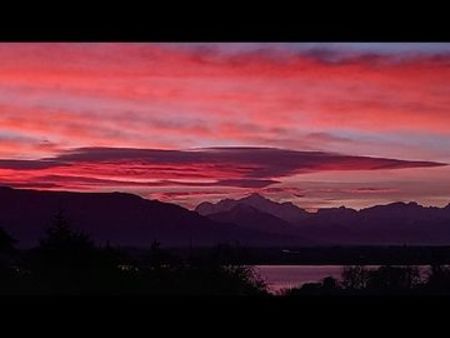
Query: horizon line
x,y
56,190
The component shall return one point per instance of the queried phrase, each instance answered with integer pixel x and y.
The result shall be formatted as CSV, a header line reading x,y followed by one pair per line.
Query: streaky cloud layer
x,y
244,167
282,112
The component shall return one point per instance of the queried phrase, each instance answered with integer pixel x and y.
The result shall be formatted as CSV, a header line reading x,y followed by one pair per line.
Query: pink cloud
x,y
252,168
55,97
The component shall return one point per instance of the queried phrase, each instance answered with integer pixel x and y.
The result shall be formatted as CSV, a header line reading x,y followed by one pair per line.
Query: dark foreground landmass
x,y
67,262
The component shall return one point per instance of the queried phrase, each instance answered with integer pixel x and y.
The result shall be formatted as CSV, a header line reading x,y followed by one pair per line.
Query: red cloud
x,y
65,96
92,168
87,95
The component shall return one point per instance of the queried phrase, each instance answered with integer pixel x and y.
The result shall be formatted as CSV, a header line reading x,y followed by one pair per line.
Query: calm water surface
x,y
280,277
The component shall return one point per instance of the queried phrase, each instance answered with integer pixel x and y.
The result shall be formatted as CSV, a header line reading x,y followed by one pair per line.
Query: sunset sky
x,y
320,125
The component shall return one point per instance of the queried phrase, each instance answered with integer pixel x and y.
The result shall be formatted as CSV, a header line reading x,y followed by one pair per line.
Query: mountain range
x,y
129,220
286,211
120,219
391,224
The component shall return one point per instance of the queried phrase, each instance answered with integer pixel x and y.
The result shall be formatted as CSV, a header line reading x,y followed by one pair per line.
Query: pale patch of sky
x,y
383,48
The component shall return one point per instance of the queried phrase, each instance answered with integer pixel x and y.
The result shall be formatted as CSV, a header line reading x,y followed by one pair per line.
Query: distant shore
x,y
332,255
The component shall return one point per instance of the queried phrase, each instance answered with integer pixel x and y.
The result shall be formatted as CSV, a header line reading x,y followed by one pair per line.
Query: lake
x,y
280,277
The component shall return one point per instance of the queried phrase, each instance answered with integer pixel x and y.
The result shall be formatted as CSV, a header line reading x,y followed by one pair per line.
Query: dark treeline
x,y
384,280
68,262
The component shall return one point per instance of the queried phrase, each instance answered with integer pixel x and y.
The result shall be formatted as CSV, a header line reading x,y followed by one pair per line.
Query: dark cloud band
x,y
246,167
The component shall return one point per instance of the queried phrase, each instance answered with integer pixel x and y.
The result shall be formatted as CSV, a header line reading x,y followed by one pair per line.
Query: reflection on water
x,y
280,277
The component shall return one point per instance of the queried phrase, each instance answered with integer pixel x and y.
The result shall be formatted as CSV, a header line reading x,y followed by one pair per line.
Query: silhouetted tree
x,y
389,278
226,254
157,258
6,242
438,279
305,289
330,284
355,277
242,279
65,258
62,245
8,268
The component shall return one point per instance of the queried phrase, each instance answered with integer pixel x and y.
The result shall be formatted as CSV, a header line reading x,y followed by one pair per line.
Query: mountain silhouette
x,y
118,218
249,217
392,224
285,211
129,220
